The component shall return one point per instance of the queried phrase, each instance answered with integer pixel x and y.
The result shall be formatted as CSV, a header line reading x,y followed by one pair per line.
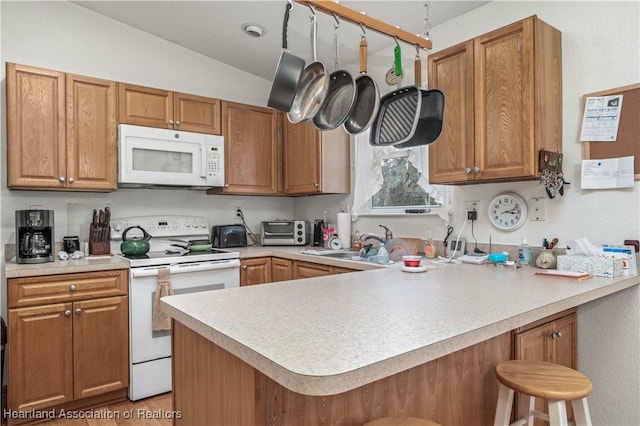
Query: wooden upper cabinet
x,y
152,107
314,161
252,150
61,131
511,79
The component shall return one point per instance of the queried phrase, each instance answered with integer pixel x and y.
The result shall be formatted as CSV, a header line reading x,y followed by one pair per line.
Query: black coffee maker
x,y
34,236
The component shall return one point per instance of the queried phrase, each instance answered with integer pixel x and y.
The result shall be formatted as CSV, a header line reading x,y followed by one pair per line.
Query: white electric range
x,y
149,350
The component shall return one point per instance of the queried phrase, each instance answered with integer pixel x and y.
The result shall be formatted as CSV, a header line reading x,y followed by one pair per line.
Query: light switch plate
x,y
537,209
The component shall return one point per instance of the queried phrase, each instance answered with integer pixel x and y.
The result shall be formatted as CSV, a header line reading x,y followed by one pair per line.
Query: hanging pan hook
x,y
364,32
313,10
337,24
396,40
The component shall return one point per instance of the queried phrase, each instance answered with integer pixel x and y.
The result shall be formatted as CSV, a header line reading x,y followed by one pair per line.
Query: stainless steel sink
x,y
336,254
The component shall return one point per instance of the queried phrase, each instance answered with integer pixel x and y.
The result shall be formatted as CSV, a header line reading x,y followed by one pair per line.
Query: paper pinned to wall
x,y
607,173
601,118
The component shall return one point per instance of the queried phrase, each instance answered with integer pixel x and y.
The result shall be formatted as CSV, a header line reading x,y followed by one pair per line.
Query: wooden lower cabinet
x,y
255,271
310,270
62,353
553,339
281,269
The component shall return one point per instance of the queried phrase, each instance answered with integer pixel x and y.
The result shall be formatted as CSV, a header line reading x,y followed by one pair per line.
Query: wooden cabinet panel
x,y
36,127
255,271
503,94
61,131
92,143
339,270
252,149
197,114
281,269
67,353
552,340
310,270
100,346
40,362
152,107
29,291
315,161
145,106
451,71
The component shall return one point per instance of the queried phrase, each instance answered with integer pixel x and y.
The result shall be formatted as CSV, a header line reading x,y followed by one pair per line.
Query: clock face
x,y
508,211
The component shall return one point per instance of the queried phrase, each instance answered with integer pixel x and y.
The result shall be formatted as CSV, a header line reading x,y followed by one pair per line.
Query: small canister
x,y
71,243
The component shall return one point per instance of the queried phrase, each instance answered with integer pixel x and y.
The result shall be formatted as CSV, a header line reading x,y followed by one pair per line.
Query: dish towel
x,y
162,321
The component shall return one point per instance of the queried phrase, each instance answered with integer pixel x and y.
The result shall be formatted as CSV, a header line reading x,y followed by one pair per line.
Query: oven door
x,y
146,344
151,156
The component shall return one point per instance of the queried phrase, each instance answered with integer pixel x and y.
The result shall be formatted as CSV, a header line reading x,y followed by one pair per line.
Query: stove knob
x,y
187,224
117,226
203,224
194,223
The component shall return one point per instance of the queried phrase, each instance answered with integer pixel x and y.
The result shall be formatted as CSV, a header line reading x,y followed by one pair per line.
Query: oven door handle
x,y
184,268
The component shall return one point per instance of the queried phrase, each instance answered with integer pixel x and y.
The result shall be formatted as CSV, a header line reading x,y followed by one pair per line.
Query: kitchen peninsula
x,y
347,348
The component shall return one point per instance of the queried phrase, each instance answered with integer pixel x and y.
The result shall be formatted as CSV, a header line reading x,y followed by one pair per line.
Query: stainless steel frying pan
x,y
367,102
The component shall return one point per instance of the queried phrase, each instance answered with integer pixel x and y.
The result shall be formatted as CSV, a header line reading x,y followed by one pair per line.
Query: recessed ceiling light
x,y
254,30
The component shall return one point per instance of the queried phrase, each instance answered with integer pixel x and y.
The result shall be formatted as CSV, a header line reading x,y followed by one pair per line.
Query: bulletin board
x,y
628,140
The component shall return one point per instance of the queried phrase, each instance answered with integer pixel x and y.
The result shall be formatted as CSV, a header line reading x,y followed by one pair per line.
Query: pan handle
x,y
417,69
285,23
314,33
363,55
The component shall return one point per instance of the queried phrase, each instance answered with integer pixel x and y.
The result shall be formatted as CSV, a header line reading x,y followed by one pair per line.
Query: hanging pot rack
x,y
359,18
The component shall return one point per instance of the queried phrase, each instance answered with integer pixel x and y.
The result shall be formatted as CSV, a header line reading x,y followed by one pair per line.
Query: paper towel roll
x,y
344,229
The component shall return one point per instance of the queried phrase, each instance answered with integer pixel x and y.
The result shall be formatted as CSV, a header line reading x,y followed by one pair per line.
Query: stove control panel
x,y
162,226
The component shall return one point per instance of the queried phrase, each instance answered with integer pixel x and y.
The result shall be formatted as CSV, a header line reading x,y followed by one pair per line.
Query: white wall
x,y
601,50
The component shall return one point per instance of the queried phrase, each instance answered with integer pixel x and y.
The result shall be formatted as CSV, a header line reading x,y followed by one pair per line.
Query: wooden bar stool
x,y
536,379
400,421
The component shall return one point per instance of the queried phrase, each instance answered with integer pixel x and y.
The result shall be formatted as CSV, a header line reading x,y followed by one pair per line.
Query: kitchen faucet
x,y
388,235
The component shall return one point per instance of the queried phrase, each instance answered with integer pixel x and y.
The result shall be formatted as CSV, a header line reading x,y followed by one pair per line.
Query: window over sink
x,y
393,181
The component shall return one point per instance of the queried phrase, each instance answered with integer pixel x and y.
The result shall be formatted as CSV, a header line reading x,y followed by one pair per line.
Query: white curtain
x,y
368,173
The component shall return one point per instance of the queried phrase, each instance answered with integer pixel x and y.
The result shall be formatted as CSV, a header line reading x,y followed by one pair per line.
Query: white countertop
x,y
326,335
86,264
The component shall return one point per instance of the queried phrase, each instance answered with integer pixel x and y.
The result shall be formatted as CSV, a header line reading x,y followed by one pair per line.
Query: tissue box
x,y
594,265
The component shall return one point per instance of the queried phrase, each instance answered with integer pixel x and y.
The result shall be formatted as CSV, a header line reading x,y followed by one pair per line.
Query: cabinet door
x,y
100,346
145,106
452,154
40,357
310,270
252,149
504,102
301,158
565,348
36,127
281,269
255,271
92,145
196,114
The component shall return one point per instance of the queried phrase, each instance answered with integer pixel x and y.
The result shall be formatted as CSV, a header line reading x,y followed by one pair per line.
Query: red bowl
x,y
412,261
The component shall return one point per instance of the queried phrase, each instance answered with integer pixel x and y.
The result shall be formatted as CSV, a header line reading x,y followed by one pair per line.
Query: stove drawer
x,y
47,289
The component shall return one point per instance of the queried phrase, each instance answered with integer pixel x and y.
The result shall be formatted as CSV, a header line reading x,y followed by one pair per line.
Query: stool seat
x,y
544,380
536,379
400,421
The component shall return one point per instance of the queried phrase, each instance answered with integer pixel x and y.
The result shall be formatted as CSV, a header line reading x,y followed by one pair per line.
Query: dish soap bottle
x,y
524,252
382,256
429,247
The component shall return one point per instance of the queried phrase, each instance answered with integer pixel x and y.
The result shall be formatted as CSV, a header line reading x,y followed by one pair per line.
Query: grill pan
x,y
408,117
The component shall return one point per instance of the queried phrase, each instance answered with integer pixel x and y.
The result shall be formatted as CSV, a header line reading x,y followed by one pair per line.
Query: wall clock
x,y
508,211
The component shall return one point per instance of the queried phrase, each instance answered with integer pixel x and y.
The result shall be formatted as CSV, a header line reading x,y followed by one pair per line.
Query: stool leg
x,y
581,412
557,413
526,405
504,405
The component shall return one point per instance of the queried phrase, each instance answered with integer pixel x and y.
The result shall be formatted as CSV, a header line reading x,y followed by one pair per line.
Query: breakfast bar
x,y
348,348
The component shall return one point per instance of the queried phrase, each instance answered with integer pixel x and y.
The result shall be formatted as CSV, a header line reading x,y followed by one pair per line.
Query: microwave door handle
x,y
203,156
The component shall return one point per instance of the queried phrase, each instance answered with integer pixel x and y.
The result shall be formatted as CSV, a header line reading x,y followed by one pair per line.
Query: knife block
x,y
96,245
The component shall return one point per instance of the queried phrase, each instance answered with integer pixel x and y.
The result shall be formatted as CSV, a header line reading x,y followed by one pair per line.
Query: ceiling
x,y
213,28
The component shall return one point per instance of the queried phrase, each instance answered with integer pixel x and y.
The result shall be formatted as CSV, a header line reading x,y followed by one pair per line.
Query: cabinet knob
x,y
178,123
559,333
78,311
71,180
476,169
61,179
72,287
244,266
226,185
170,121
467,170
67,313
316,184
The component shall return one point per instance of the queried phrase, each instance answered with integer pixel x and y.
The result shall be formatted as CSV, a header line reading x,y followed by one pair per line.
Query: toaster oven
x,y
284,233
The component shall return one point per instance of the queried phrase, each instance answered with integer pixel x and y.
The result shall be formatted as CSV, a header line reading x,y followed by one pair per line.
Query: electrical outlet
x,y
237,214
470,206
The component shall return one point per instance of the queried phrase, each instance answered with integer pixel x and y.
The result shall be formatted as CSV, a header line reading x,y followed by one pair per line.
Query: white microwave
x,y
152,157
